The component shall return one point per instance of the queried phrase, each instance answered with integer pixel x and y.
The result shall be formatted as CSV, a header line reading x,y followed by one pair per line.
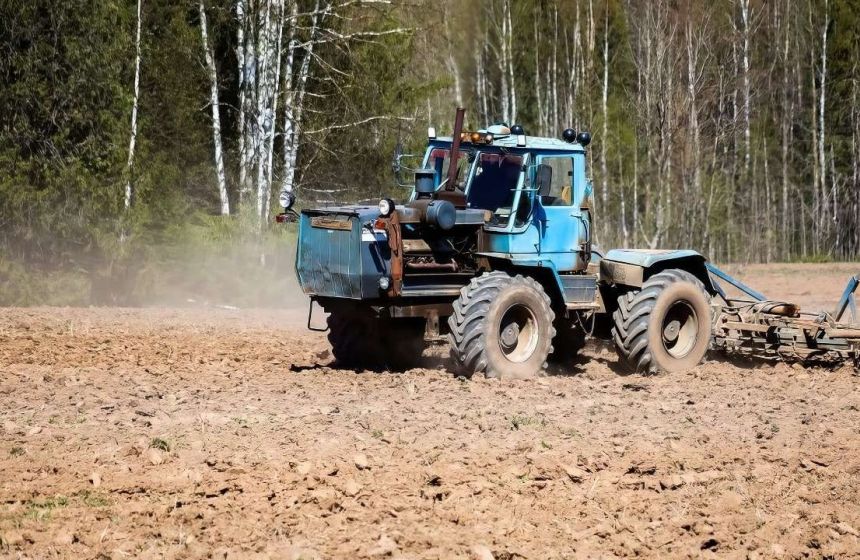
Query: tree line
x,y
729,126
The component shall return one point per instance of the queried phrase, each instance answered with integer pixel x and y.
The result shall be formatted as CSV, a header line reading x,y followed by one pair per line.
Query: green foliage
x,y
66,77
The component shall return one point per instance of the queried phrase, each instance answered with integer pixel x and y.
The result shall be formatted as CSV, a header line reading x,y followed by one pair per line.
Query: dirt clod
x,y
361,462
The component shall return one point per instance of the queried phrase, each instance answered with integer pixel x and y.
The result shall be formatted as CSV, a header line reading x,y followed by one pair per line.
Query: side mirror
x,y
543,179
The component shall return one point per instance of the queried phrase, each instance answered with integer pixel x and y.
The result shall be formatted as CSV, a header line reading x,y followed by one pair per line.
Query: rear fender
x,y
632,267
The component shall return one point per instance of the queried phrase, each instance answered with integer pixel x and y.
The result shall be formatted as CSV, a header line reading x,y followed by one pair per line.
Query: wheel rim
x,y
680,329
518,333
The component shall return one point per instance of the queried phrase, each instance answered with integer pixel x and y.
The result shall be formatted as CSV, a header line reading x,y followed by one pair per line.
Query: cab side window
x,y
561,190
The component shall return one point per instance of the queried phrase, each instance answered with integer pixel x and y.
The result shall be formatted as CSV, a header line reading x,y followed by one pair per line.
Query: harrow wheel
x,y
359,339
502,326
665,326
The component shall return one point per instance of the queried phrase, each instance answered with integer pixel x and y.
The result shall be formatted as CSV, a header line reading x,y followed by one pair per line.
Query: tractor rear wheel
x,y
360,339
403,342
665,326
569,339
502,326
351,341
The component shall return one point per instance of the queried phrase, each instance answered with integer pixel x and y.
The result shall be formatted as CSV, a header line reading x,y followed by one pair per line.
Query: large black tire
x,y
354,341
502,326
570,339
359,339
403,342
665,326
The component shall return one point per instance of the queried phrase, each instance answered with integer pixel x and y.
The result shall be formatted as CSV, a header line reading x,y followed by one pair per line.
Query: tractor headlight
x,y
386,207
384,283
286,199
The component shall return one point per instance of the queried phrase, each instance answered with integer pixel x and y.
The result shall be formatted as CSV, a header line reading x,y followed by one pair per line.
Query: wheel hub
x,y
510,335
518,333
670,333
680,329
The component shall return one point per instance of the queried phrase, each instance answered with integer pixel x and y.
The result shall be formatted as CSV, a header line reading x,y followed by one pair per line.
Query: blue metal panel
x,y
328,261
734,282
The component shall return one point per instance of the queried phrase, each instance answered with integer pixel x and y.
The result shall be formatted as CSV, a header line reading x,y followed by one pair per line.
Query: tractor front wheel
x,y
665,326
502,326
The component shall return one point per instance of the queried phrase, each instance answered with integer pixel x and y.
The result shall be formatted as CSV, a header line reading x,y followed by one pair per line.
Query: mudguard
x,y
632,267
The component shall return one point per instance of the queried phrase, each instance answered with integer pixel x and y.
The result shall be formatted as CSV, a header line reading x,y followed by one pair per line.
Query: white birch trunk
x,y
503,66
692,91
216,114
604,195
132,142
538,92
510,62
787,111
263,113
822,164
745,56
554,73
243,95
275,95
292,129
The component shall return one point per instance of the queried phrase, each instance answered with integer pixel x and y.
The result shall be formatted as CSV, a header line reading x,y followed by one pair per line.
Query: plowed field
x,y
152,433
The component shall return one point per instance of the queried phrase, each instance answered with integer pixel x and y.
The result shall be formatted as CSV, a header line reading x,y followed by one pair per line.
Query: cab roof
x,y
533,143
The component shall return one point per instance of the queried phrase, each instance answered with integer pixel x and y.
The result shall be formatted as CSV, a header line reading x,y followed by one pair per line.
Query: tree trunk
x,y
292,126
745,57
510,60
604,140
132,142
243,98
216,114
787,112
822,163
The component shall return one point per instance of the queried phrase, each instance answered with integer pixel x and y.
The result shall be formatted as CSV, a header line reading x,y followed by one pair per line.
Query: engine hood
x,y
364,213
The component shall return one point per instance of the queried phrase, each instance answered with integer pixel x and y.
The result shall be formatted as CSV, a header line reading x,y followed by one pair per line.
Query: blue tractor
x,y
493,251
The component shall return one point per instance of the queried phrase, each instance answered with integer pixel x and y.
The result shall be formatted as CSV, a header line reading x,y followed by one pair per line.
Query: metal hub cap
x,y
680,329
518,333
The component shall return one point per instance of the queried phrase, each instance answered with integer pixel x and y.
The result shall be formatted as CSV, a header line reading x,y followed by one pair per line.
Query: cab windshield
x,y
439,159
494,184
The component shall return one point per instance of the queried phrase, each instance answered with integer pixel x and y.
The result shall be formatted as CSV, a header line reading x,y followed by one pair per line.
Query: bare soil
x,y
152,433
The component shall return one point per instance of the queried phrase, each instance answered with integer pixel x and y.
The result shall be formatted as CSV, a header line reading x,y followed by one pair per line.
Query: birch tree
x,y
132,142
295,87
215,104
822,90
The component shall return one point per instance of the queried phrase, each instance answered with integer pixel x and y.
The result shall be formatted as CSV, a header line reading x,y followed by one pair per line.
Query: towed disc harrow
x,y
776,330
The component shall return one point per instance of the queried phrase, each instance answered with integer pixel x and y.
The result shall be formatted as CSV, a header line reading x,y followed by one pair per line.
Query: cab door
x,y
562,225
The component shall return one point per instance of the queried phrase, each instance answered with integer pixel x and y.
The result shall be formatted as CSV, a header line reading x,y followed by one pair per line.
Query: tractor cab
x,y
534,190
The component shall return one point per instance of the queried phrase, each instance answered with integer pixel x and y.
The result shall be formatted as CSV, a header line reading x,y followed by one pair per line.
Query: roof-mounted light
x,y
476,137
584,138
521,140
431,133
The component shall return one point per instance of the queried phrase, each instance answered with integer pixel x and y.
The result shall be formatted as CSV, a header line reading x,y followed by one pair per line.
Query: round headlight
x,y
286,199
384,283
386,207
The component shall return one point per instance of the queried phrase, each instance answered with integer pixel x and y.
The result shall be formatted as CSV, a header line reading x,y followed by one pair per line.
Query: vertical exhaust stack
x,y
455,149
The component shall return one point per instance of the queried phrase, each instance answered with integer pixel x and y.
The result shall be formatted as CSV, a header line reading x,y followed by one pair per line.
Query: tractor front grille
x,y
329,255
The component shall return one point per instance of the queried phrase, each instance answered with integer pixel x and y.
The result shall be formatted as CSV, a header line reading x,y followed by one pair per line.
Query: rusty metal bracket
x,y
395,244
